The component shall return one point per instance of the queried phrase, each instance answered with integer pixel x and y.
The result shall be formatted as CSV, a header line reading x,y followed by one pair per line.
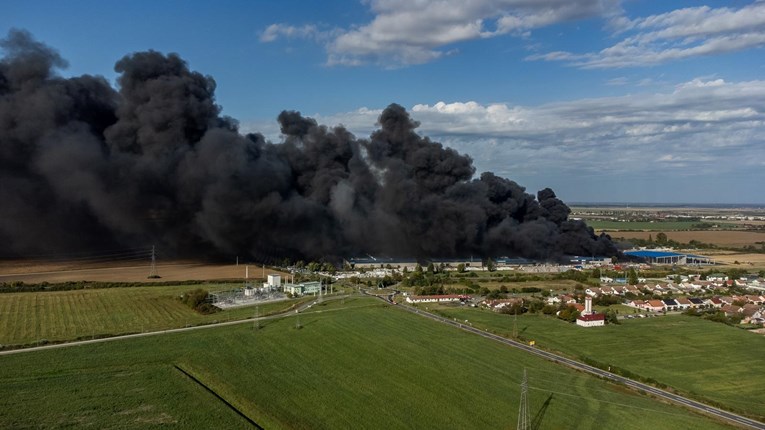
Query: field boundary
x,y
218,396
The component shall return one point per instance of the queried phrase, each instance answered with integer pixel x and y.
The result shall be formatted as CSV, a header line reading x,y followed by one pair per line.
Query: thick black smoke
x,y
83,166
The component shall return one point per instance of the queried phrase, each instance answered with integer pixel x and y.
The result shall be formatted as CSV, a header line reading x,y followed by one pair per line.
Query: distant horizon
x,y
679,205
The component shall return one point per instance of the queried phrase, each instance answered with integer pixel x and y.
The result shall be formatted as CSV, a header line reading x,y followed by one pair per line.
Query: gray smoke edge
x,y
85,166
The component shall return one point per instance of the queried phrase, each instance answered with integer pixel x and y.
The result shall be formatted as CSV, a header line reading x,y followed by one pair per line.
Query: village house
x,y
636,303
717,277
683,303
593,291
654,305
499,304
444,298
749,309
715,302
731,310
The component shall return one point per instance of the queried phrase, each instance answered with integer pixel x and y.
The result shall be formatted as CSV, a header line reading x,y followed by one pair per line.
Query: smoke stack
x,y
587,305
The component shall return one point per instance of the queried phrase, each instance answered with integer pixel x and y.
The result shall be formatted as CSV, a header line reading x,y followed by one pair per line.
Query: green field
x,y
27,318
707,359
359,364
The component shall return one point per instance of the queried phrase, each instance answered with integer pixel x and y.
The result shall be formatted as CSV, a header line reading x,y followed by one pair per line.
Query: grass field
x,y
711,360
735,239
370,366
27,318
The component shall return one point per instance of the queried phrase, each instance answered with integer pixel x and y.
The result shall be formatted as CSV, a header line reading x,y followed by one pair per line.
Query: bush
x,y
198,300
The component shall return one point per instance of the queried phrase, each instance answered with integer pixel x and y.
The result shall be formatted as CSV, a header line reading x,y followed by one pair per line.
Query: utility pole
x,y
153,271
297,323
523,410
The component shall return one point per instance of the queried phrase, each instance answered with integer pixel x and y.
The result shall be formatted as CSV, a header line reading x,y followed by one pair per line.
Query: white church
x,y
589,318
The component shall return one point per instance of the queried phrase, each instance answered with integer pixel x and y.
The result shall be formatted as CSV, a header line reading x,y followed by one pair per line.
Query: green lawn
x,y
710,360
357,364
27,318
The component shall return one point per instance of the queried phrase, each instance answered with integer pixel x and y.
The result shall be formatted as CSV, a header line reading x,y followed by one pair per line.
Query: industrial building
x,y
654,256
303,288
273,283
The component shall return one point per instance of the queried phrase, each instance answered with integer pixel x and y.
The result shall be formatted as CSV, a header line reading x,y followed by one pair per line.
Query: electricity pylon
x,y
523,410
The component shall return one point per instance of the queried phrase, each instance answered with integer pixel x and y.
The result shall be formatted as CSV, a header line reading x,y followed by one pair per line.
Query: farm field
x,y
361,364
27,318
34,272
710,360
653,226
736,239
741,258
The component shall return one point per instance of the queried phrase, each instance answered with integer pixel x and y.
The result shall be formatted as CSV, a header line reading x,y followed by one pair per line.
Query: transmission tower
x,y
153,271
523,410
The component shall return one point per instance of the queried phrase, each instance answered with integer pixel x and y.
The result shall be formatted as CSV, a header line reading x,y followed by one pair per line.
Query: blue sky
x,y
601,100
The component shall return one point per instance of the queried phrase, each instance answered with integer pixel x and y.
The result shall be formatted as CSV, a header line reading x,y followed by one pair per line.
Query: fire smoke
x,y
85,166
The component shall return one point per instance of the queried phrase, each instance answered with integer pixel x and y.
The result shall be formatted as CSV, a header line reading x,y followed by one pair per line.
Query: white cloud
x,y
405,32
704,126
308,31
674,35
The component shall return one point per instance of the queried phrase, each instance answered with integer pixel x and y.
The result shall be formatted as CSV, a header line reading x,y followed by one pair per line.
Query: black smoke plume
x,y
84,166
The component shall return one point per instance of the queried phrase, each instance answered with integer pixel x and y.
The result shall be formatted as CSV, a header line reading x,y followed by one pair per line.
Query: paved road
x,y
698,406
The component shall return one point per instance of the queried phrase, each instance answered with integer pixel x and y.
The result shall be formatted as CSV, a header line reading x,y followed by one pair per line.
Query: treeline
x,y
715,315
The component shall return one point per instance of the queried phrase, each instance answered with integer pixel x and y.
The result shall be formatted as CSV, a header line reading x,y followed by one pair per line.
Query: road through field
x,y
674,398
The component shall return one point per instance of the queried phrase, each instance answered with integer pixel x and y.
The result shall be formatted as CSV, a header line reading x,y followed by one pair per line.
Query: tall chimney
x,y
587,305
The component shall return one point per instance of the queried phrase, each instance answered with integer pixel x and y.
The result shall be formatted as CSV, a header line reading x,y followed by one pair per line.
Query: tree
x,y
491,265
632,277
461,268
431,268
661,238
611,317
650,239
